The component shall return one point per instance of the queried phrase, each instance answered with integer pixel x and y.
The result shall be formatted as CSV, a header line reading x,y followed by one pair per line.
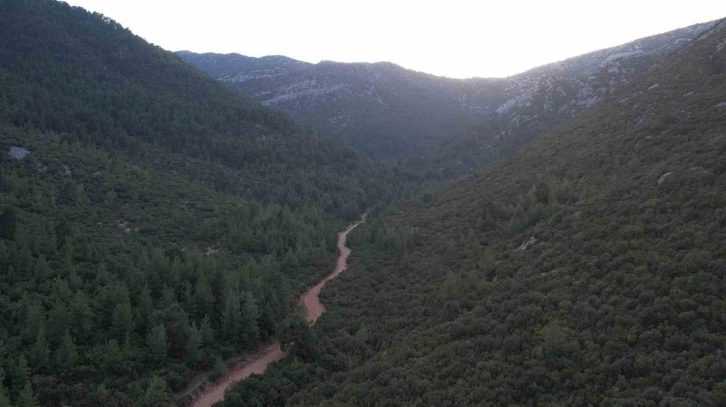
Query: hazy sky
x,y
451,38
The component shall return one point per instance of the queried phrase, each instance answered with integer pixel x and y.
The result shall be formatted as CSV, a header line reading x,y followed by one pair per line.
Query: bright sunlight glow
x,y
452,38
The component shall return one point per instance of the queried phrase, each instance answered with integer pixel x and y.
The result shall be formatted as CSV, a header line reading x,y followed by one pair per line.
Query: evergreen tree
x,y
40,354
155,394
196,342
204,295
231,320
122,321
249,320
207,331
219,370
82,319
293,330
66,354
158,343
34,321
58,323
21,371
27,397
145,307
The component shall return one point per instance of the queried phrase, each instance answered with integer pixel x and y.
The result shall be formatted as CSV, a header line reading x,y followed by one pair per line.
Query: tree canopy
x,y
585,270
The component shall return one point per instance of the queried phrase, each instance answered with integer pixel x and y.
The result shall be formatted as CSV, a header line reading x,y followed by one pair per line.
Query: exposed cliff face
x,y
560,90
391,112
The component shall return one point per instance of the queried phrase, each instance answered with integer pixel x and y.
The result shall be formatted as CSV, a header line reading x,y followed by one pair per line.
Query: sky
x,y
453,38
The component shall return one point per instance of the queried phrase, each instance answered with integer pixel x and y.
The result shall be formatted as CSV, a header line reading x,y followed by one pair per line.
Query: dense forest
x,y
588,269
83,76
153,222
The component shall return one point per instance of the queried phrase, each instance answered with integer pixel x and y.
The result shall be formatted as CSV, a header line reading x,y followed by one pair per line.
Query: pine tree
x,y
25,259
122,321
204,295
82,318
21,371
34,322
168,297
293,330
68,252
145,306
207,331
290,263
220,369
196,341
231,320
61,288
42,270
155,394
189,302
157,343
27,397
250,316
40,353
102,392
58,323
75,281
66,355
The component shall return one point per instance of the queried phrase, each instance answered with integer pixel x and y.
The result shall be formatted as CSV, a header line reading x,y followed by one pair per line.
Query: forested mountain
x,y
391,112
588,269
381,109
155,222
152,220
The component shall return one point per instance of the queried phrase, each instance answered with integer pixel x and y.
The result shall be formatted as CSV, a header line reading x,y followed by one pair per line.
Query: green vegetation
x,y
152,221
586,270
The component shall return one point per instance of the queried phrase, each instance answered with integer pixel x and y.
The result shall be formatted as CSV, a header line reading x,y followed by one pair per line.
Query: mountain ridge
x,y
363,104
586,269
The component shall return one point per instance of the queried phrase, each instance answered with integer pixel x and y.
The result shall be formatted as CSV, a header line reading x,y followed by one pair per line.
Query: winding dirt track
x,y
258,364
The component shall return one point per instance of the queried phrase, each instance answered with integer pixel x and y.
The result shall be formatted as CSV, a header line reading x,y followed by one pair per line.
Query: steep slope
x,y
106,86
543,97
152,221
381,109
585,270
390,112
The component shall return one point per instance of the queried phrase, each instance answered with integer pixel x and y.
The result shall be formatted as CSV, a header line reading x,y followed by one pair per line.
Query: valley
x,y
577,272
174,226
313,309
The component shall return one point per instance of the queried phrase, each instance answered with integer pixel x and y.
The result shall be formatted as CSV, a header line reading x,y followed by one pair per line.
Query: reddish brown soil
x,y
310,299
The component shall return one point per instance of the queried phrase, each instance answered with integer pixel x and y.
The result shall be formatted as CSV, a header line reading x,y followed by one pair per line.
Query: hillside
x,y
390,112
585,270
153,222
380,109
